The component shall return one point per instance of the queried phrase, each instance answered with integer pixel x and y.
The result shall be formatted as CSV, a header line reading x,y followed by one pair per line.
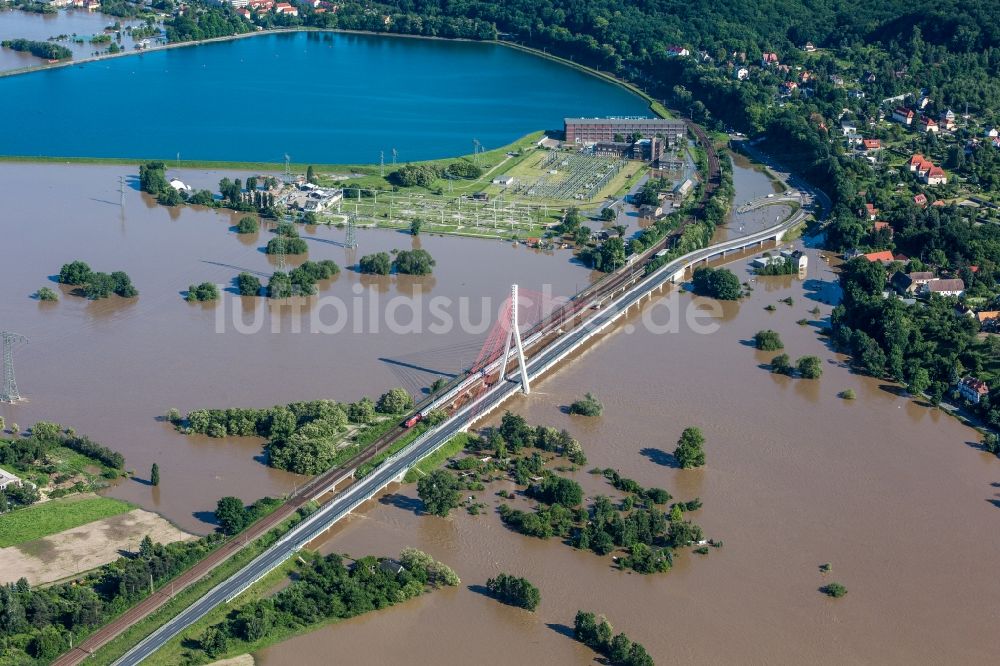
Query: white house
x,y
973,389
903,115
6,479
741,73
945,287
504,181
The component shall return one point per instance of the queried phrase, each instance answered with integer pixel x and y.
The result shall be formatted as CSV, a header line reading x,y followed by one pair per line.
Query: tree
x,y
394,401
375,264
810,367
718,283
247,284
608,214
214,642
310,174
514,591
768,340
781,365
415,226
46,294
206,291
247,225
279,286
362,411
231,515
154,475
588,405
558,490
439,491
75,273
835,590
689,451
414,262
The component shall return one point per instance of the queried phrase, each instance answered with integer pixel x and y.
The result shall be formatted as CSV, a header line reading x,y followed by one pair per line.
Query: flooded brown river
x,y
886,490
109,368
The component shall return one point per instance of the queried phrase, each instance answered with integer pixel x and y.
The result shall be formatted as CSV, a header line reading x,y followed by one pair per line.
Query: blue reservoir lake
x,y
320,97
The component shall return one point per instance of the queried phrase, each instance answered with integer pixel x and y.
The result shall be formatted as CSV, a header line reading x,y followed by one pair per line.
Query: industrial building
x,y
604,130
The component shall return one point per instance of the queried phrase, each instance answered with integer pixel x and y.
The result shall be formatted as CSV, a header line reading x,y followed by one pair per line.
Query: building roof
x,y
630,120
977,385
920,200
946,284
885,255
986,315
879,225
871,144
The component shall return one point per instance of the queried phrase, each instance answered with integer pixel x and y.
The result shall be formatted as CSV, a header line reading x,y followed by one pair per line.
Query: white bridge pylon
x,y
515,335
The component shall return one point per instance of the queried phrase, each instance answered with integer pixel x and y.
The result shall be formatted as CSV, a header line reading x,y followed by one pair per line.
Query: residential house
x,y
928,125
920,164
936,176
947,120
920,200
988,319
678,51
871,145
944,287
871,212
769,59
7,479
285,8
991,133
879,226
788,87
884,257
741,73
848,127
923,102
903,115
244,12
809,48
910,283
837,80
973,389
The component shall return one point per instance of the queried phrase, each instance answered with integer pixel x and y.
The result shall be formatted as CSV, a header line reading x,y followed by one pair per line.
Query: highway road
x,y
394,467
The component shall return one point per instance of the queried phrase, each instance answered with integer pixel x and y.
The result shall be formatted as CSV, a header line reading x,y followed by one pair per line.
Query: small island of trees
x,y
808,367
247,225
768,340
375,264
515,591
46,294
690,450
720,283
301,281
287,241
588,405
414,262
96,285
597,634
247,284
206,291
46,50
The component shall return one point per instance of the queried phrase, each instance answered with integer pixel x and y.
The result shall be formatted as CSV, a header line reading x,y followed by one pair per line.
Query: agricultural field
x,y
55,516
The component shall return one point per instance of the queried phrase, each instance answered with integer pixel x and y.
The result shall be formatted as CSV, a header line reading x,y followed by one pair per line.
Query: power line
x,y
9,393
352,231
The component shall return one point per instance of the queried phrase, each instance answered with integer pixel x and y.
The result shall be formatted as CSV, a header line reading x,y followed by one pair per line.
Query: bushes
x,y
768,340
597,634
809,367
247,284
375,264
247,225
557,490
46,294
46,50
414,175
96,285
206,291
835,590
514,591
414,262
285,245
83,445
588,405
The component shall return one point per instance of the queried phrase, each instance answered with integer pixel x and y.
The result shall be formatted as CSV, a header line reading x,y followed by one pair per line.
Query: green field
x,y
55,516
452,448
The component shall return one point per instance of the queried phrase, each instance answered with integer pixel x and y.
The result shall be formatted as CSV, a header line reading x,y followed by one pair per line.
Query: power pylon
x,y
475,151
394,155
9,393
515,336
288,169
352,231
381,163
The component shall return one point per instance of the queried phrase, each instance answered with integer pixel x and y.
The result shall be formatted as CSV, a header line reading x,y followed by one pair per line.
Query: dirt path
x,y
83,548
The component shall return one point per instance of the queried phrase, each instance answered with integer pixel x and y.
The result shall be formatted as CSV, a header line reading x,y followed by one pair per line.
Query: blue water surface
x,y
319,97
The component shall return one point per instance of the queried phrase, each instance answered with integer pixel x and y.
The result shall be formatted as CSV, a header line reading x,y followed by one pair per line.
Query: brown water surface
x,y
886,490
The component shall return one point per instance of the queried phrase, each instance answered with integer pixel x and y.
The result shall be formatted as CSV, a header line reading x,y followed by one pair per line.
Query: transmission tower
x,y
121,190
352,231
515,336
288,169
381,163
394,155
9,393
475,151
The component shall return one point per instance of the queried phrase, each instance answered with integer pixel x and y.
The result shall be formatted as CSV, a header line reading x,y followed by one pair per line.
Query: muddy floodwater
x,y
889,492
81,23
110,368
